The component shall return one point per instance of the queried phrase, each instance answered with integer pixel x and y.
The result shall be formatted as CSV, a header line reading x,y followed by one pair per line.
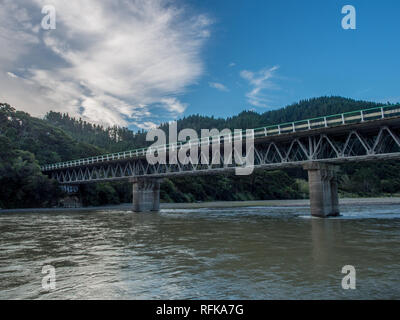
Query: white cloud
x,y
218,86
173,105
232,64
147,125
107,61
12,75
259,81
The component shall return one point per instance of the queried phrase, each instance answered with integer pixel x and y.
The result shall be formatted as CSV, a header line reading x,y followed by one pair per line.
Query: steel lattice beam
x,y
332,146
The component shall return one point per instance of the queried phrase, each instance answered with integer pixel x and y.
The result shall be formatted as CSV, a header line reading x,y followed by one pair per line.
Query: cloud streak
x,y
218,86
109,62
259,82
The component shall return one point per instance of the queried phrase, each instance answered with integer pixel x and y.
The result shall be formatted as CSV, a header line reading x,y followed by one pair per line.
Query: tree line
x,y
27,142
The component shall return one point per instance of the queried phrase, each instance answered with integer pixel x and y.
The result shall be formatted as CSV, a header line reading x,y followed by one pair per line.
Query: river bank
x,y
219,204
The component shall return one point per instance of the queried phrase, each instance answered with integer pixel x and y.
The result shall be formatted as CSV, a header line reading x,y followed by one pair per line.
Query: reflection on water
x,y
240,253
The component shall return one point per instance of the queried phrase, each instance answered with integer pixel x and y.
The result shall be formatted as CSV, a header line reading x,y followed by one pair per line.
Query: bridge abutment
x,y
146,194
323,187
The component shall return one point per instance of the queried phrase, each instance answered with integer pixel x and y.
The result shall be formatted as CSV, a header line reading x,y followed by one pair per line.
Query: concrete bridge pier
x,y
146,194
323,186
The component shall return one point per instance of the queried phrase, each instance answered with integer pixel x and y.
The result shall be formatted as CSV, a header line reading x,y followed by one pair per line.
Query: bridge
x,y
317,145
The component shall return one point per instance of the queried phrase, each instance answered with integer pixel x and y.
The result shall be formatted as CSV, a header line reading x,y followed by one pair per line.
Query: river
x,y
224,253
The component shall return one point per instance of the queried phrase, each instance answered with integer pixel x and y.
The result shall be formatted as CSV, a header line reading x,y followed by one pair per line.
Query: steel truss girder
x,y
334,148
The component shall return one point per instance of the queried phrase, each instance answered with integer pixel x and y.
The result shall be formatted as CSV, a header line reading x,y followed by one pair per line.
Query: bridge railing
x,y
358,116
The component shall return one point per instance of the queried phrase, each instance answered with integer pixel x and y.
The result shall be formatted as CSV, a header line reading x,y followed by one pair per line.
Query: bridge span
x,y
317,145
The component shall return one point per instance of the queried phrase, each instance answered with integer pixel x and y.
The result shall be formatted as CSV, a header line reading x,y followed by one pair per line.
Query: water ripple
x,y
225,253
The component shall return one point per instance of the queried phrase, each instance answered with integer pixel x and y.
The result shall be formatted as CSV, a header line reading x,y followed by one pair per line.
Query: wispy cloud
x,y
232,64
147,125
218,86
174,105
12,75
259,81
108,61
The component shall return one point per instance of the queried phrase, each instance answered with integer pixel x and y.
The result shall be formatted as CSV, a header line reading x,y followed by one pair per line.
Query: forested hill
x,y
116,139
47,142
26,142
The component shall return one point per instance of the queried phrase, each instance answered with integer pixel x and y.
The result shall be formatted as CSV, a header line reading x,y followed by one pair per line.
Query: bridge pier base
x,y
323,186
146,194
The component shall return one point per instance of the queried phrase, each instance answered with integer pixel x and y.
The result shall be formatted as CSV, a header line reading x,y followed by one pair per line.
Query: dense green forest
x,y
27,142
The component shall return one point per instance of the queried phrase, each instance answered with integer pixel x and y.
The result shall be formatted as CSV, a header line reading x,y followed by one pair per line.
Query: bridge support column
x,y
146,194
323,186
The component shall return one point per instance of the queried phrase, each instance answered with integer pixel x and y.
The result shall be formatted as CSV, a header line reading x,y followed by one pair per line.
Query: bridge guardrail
x,y
296,126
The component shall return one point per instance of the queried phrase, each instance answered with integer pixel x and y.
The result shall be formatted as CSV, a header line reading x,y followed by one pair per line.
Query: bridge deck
x,y
364,120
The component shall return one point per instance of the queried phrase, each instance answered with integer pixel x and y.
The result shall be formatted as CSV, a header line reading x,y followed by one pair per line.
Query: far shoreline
x,y
216,204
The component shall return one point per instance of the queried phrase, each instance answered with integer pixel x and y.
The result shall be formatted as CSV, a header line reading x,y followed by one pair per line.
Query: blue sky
x,y
137,63
315,55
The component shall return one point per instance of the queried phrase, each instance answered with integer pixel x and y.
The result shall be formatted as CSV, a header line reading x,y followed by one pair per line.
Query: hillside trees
x,y
26,142
22,185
